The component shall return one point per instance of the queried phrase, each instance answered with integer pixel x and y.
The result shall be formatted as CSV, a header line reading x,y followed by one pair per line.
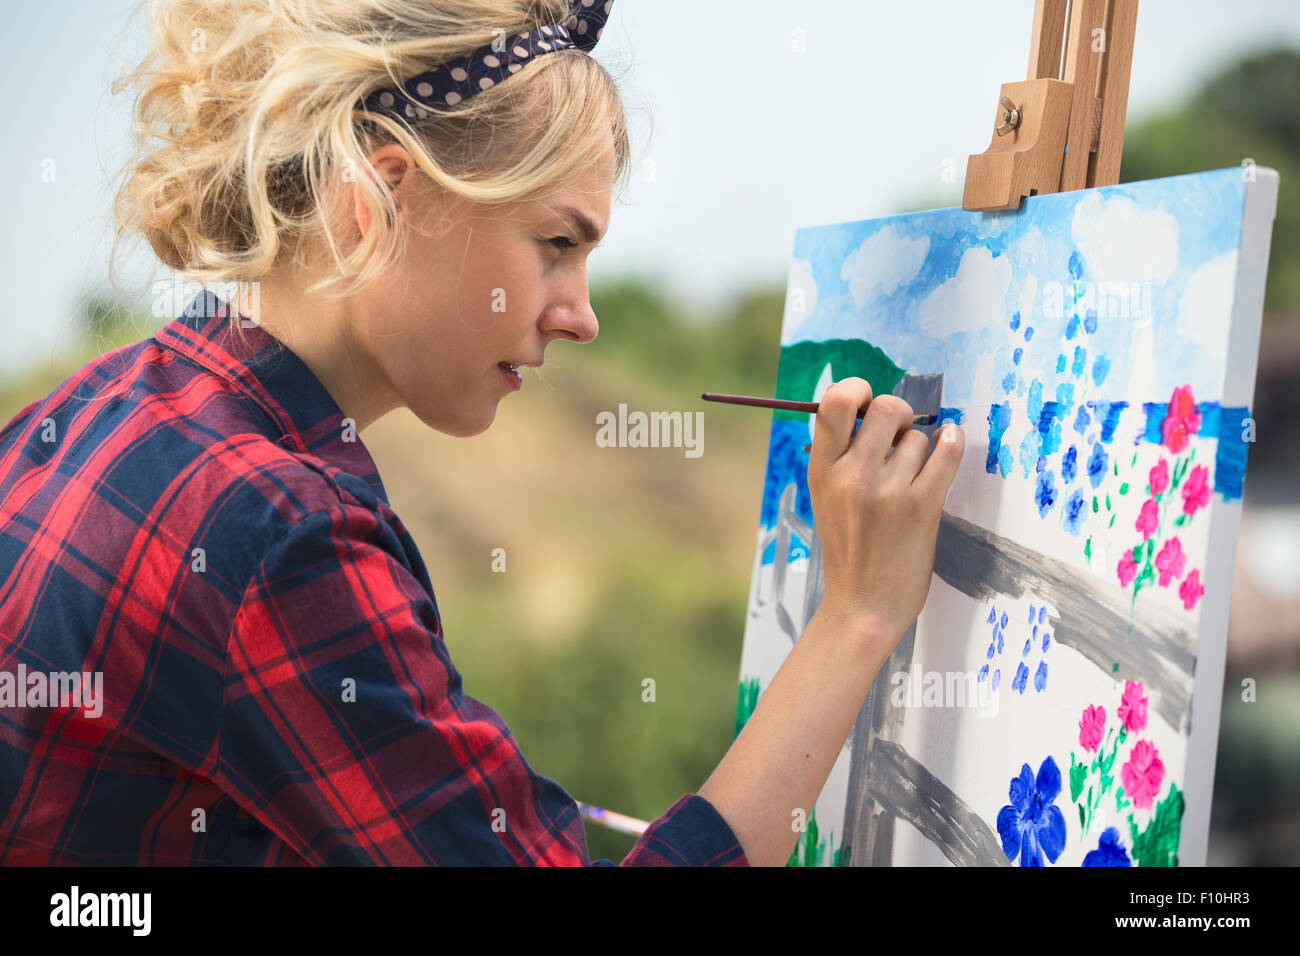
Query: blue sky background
x,y
1199,214
750,139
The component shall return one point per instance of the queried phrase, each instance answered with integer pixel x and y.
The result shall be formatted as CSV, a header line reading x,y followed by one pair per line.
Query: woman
x,y
192,524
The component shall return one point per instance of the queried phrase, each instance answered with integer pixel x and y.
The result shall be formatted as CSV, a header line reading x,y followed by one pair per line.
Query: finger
x,y
886,418
836,417
909,455
936,476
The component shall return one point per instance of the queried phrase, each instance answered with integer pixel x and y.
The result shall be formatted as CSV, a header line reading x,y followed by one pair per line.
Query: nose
x,y
573,319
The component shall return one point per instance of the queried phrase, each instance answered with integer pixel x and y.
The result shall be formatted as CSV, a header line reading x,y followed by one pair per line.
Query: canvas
x,y
1057,701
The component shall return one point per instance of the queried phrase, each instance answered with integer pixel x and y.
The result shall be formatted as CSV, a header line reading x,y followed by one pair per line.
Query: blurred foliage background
x,y
626,564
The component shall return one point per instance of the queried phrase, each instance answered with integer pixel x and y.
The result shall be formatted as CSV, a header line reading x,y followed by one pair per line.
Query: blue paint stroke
x,y
1045,493
1015,321
1108,414
1016,355
999,418
1069,463
1082,419
1049,429
1060,364
956,414
1022,677
1097,463
1090,321
1075,512
1009,382
1080,358
1100,366
1040,676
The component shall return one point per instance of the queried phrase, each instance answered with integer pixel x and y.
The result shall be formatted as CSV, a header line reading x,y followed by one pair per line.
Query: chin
x,y
459,426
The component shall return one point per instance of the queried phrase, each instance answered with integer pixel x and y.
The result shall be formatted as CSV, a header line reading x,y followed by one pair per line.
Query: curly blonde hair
x,y
247,123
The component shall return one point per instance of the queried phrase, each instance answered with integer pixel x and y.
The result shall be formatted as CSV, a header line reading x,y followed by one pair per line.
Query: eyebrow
x,y
583,222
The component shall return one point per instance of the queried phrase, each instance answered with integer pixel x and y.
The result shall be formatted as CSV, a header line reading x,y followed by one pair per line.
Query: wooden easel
x,y
1063,128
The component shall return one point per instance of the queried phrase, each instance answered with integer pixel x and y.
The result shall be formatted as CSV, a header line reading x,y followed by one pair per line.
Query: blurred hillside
x,y
633,563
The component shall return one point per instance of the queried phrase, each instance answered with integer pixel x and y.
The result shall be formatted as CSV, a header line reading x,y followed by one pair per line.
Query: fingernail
x,y
949,431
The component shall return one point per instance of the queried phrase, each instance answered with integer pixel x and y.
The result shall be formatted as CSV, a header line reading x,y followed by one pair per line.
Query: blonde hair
x,y
247,123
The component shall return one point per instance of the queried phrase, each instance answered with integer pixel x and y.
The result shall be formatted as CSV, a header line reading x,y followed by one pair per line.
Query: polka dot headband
x,y
447,84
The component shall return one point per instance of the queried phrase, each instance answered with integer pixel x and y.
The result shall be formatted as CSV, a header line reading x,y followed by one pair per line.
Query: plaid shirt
x,y
201,529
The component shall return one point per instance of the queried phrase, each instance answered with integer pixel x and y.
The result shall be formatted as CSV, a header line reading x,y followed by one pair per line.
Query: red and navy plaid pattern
x,y
189,517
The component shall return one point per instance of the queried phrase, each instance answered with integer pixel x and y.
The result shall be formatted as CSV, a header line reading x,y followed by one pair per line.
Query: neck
x,y
320,332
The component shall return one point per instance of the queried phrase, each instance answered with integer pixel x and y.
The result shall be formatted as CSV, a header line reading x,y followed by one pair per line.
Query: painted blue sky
x,y
936,290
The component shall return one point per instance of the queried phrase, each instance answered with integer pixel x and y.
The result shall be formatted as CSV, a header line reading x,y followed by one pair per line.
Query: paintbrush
x,y
793,406
613,821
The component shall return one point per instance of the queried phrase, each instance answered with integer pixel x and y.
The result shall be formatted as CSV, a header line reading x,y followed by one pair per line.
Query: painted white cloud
x,y
882,263
972,299
1206,306
1121,242
800,299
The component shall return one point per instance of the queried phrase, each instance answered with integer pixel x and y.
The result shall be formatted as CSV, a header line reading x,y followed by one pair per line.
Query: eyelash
x,y
568,243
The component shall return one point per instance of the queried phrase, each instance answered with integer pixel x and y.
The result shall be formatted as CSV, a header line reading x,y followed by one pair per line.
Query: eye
x,y
562,243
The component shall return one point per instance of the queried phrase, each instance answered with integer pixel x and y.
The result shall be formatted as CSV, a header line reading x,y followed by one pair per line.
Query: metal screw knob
x,y
1010,118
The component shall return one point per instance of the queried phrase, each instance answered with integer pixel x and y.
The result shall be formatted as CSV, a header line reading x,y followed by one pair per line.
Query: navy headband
x,y
447,84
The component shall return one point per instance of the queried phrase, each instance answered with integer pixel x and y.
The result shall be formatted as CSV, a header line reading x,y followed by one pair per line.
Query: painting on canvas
x,y
1057,701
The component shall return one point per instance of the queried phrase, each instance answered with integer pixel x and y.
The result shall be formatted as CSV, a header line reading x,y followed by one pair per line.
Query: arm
x,y
877,496
786,749
346,732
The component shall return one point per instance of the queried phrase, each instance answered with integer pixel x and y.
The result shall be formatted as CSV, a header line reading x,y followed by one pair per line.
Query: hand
x,y
877,513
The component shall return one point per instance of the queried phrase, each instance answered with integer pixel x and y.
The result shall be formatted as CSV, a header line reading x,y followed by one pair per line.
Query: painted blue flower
x,y
1009,382
1015,321
1029,332
1097,463
1090,321
1100,366
1075,512
1042,614
1045,493
1028,642
1032,825
1075,265
1021,679
1080,357
1016,356
1040,676
1109,852
1081,419
984,672
1060,364
1047,639
993,614
1072,327
1004,621
997,677
1069,464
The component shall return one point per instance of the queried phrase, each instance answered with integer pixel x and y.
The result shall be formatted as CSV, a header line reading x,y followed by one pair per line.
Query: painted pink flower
x,y
1133,707
1160,477
1181,422
1196,493
1148,518
1142,775
1091,724
1127,569
1170,562
1191,589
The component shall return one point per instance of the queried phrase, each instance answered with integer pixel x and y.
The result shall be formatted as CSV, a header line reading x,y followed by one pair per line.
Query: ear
x,y
392,165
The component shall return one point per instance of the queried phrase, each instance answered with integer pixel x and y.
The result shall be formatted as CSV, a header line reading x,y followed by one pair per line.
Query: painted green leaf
x,y
1108,507
1158,843
1078,773
1094,504
1087,549
1123,489
1112,522
1180,521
